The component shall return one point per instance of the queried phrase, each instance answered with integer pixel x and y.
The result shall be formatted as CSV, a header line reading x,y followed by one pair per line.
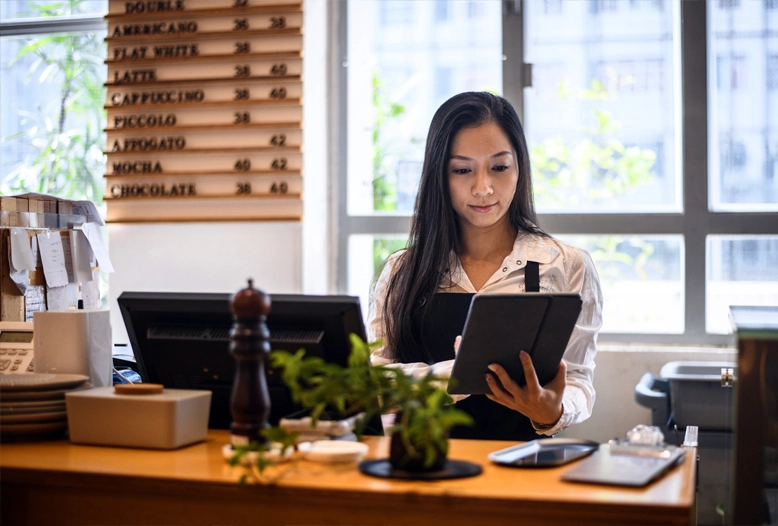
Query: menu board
x,y
204,103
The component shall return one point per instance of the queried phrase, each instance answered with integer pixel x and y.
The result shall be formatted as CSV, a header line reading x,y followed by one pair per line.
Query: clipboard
x,y
499,326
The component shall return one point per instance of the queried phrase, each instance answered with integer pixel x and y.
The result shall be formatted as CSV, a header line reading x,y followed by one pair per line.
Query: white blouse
x,y
563,268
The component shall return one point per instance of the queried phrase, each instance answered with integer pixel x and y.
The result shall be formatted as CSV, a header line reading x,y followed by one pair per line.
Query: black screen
x,y
181,340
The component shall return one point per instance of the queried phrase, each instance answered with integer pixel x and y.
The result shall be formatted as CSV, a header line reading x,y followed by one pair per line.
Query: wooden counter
x,y
61,483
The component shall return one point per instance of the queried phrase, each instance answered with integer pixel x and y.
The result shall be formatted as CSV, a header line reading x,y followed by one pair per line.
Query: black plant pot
x,y
402,459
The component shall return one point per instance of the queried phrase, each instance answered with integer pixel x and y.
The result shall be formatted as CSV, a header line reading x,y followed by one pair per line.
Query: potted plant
x,y
424,411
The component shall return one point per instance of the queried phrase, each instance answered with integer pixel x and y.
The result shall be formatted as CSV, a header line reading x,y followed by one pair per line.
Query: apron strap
x,y
532,276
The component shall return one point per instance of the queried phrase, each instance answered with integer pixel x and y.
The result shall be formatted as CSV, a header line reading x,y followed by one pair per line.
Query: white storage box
x,y
168,420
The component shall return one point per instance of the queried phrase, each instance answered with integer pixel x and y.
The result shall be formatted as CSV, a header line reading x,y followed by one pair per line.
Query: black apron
x,y
492,421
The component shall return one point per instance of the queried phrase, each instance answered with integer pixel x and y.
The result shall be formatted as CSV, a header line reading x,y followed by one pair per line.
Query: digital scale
x,y
16,347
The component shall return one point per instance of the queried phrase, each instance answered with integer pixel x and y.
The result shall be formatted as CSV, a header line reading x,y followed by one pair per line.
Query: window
x,y
441,10
51,90
680,224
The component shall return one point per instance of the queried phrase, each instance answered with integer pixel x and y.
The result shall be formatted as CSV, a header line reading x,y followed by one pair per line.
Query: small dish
x,y
40,382
334,451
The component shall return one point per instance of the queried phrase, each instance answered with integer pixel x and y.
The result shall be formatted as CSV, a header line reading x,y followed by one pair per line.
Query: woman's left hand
x,y
541,404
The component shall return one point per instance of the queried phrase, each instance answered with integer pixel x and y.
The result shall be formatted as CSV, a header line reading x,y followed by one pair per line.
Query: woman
x,y
474,230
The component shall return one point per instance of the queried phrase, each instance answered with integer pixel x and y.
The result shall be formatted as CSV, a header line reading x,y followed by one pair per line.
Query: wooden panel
x,y
173,7
133,140
87,485
204,105
200,91
250,44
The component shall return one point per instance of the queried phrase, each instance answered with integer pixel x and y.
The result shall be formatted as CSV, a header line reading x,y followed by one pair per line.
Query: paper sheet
x,y
53,258
90,293
68,258
57,298
21,252
95,236
88,210
34,301
82,256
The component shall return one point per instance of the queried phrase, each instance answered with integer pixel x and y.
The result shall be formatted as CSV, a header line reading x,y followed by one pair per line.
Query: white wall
x,y
202,257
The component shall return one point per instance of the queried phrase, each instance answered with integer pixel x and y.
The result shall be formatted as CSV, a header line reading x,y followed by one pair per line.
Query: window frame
x,y
694,224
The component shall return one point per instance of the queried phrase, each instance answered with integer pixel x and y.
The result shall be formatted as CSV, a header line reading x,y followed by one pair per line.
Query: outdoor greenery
x,y
598,168
63,136
384,154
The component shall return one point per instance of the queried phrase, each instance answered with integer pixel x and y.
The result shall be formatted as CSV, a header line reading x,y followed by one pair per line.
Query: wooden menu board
x,y
204,102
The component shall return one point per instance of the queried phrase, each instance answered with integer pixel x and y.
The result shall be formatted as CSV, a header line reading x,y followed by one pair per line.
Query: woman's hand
x,y
542,405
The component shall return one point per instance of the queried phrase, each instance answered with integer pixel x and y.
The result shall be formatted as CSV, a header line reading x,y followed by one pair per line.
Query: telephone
x,y
16,347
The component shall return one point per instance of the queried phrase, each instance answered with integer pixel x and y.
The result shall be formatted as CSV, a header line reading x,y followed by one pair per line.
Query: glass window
x,y
611,114
15,9
741,270
51,87
641,281
600,120
743,107
396,80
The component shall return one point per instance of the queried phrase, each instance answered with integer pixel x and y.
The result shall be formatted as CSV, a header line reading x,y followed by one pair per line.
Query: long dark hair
x,y
425,264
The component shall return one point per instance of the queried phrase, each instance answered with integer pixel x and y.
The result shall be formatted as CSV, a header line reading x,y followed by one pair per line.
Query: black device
x,y
544,452
181,340
499,326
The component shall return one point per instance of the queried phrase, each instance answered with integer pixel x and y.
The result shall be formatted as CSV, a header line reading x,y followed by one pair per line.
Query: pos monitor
x,y
181,340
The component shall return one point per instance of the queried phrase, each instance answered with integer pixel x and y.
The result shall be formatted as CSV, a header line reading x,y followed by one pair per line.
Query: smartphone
x,y
544,452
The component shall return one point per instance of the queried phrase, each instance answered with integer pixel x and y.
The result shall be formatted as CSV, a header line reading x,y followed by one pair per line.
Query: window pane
x,y
641,281
601,114
404,59
51,87
14,9
366,253
742,270
743,105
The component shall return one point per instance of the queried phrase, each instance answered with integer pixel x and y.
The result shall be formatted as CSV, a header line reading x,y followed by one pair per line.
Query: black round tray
x,y
454,469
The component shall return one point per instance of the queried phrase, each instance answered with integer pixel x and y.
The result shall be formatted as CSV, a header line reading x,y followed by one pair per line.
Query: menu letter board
x,y
204,103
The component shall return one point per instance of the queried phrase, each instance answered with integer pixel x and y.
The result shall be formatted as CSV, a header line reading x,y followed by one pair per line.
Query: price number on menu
x,y
242,117
242,188
240,3
240,24
241,94
278,69
279,139
278,93
242,47
277,22
279,188
278,163
242,71
243,165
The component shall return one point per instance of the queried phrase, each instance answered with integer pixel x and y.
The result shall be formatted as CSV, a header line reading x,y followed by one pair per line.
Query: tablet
x,y
500,326
544,452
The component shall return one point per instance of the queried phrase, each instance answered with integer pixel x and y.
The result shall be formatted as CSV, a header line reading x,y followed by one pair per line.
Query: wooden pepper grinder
x,y
250,345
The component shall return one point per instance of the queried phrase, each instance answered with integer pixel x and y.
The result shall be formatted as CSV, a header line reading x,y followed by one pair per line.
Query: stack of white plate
x,y
32,406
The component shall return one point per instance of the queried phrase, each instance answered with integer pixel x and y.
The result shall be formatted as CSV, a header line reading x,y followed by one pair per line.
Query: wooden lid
x,y
138,389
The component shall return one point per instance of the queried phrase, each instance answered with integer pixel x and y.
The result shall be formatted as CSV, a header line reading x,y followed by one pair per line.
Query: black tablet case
x,y
499,326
